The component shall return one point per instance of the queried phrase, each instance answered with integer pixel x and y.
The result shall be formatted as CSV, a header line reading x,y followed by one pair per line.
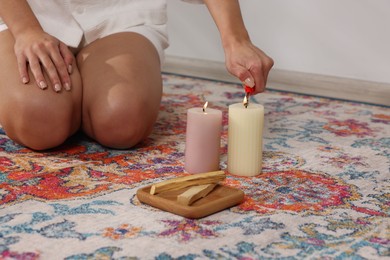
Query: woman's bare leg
x,y
122,89
38,119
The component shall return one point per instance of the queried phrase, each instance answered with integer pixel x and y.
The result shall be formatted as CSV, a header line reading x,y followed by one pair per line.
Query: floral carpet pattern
x,y
324,191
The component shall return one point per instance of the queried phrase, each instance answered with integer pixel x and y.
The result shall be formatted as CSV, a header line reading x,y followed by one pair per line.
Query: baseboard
x,y
298,82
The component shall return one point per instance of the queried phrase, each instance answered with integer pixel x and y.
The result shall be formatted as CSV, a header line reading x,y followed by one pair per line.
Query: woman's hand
x,y
243,60
44,53
249,64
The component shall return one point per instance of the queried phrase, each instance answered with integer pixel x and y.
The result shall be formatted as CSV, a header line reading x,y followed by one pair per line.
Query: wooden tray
x,y
222,197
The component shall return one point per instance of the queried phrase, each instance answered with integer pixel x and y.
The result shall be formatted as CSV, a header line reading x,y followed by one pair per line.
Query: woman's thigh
x,y
39,119
122,89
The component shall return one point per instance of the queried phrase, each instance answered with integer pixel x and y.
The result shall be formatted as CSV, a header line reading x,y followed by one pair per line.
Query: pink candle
x,y
203,139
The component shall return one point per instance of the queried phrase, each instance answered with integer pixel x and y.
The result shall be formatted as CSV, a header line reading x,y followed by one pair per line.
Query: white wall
x,y
345,38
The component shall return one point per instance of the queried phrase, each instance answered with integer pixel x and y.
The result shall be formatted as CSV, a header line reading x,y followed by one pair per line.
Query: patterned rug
x,y
324,192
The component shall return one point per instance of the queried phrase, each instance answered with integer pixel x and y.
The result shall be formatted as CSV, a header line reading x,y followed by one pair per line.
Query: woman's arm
x,y
35,48
18,16
243,60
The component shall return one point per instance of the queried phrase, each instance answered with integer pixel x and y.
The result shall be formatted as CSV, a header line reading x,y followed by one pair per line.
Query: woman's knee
x,y
40,125
124,125
122,94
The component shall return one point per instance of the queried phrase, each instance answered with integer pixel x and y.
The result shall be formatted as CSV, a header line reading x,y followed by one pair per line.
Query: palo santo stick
x,y
186,181
194,193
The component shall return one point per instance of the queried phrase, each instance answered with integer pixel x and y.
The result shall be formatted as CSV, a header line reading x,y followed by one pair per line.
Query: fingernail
x,y
24,80
249,82
42,85
67,86
70,69
57,87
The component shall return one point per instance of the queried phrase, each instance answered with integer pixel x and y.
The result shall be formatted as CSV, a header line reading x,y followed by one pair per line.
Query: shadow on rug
x,y
324,191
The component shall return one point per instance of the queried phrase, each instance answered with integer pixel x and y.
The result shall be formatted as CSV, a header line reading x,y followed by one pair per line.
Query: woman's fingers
x,y
259,78
45,55
68,57
22,67
60,69
243,74
36,70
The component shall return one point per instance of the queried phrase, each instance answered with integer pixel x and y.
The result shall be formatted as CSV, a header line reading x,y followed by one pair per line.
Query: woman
x,y
95,66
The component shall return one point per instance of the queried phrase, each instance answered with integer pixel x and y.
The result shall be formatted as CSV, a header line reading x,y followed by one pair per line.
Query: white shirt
x,y
69,20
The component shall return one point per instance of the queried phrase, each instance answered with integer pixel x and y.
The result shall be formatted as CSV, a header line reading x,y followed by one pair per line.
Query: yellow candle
x,y
245,139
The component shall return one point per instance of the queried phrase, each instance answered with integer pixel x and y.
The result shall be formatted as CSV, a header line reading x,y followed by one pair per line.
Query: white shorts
x,y
77,23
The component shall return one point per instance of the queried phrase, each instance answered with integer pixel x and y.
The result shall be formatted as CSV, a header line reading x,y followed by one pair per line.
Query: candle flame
x,y
205,106
245,102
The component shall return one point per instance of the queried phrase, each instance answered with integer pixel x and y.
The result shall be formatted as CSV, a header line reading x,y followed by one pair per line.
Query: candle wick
x,y
204,106
246,100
